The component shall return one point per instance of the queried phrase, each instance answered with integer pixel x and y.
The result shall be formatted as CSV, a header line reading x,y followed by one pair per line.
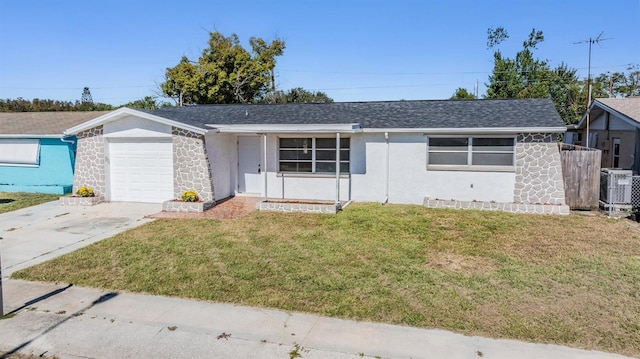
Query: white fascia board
x,y
471,131
124,112
26,135
262,128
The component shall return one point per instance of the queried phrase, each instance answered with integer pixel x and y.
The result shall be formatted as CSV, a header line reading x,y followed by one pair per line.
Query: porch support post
x,y
337,167
264,153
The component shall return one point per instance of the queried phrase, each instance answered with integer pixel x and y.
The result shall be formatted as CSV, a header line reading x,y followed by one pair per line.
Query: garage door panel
x,y
141,171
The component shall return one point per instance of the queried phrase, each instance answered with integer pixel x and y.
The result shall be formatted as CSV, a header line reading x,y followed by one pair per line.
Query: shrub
x,y
85,191
189,196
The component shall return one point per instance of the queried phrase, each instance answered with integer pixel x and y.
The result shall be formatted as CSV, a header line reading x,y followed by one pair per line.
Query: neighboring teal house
x,y
34,156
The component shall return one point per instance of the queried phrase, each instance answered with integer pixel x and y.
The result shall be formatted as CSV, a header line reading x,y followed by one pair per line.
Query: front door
x,y
249,164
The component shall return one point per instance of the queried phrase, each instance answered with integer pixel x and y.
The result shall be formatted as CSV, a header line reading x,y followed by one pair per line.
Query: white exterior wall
x,y
135,127
368,167
223,154
409,180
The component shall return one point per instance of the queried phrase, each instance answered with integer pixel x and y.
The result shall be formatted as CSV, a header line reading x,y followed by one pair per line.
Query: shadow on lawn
x,y
6,200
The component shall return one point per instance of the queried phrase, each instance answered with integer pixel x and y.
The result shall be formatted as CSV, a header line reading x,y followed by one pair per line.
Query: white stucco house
x,y
497,154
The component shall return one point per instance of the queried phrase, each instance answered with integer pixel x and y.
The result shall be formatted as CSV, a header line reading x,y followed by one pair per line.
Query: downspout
x,y
337,168
264,150
386,188
73,148
67,141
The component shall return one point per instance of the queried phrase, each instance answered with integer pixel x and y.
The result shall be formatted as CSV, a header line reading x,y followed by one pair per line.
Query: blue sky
x,y
352,50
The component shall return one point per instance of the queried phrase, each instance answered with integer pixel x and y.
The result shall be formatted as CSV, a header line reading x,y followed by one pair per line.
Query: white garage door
x,y
141,171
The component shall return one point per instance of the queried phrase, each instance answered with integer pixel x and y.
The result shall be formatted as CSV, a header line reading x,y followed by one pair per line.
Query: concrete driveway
x,y
36,234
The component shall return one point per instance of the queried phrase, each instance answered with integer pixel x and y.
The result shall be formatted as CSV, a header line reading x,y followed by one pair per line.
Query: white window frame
x,y
314,160
28,156
469,151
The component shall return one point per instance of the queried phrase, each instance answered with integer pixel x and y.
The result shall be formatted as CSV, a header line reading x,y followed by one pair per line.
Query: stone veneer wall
x,y
496,206
89,170
298,207
191,169
538,170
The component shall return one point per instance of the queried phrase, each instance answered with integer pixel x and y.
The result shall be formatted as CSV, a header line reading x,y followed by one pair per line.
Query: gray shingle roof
x,y
43,123
392,114
629,106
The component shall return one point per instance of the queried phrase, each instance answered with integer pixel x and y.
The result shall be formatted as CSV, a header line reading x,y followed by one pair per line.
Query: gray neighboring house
x,y
614,128
487,154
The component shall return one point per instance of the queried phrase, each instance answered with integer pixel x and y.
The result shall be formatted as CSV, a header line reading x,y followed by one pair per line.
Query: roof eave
x,y
609,109
282,128
125,111
470,130
30,135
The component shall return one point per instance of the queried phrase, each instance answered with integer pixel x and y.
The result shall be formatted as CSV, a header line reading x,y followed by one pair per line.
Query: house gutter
x,y
71,141
288,128
468,130
386,188
26,135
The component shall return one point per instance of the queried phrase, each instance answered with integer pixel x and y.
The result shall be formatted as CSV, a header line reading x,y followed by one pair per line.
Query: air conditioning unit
x,y
616,188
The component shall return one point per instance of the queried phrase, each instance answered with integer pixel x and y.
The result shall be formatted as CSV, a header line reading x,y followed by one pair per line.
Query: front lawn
x,y
572,280
11,201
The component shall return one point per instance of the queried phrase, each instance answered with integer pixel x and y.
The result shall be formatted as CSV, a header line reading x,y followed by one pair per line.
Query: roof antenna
x,y
591,41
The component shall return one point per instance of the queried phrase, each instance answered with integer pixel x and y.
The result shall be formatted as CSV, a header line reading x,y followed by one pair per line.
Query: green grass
x,y
568,280
11,201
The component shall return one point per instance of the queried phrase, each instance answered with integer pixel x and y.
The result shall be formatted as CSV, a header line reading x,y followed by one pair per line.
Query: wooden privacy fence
x,y
581,174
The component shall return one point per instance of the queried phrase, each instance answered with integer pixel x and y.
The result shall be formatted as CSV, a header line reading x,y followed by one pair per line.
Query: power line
x,y
311,71
424,73
74,88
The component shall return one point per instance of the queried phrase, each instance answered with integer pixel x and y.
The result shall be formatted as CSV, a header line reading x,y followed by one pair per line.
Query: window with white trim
x,y
472,152
312,155
19,152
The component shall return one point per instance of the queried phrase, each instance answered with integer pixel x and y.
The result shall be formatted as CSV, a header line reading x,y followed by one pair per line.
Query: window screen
x,y
19,151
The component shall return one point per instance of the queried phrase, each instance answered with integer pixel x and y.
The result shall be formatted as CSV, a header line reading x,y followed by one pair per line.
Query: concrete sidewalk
x,y
73,322
36,234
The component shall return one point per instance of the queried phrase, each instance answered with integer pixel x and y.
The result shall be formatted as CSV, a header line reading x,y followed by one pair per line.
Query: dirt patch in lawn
x,y
463,263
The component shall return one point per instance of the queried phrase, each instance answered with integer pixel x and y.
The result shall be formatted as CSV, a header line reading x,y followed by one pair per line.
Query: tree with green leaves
x,y
300,95
47,105
521,77
525,76
225,72
147,103
621,84
462,93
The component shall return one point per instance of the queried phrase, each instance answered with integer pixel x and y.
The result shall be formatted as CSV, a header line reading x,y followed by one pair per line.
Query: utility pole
x,y
591,41
273,85
610,85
